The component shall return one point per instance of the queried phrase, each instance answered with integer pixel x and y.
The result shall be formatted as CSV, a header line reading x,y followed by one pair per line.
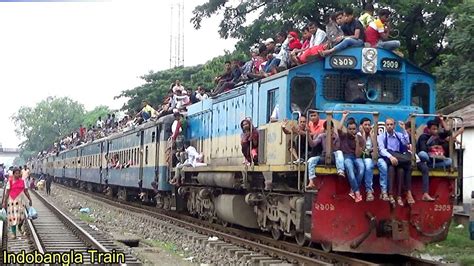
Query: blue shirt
x,y
392,142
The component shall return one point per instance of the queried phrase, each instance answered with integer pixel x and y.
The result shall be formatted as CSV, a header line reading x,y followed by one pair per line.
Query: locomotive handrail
x,y
451,127
299,146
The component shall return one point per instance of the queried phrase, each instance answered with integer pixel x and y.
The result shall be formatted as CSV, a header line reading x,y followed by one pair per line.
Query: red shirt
x,y
373,31
315,129
82,132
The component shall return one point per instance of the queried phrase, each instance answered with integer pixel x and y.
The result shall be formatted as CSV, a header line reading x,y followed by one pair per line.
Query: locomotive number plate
x,y
390,64
324,207
339,61
442,208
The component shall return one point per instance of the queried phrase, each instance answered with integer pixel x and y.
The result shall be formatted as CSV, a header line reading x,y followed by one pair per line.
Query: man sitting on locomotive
x,y
193,159
298,143
337,157
352,145
432,148
367,133
422,166
393,148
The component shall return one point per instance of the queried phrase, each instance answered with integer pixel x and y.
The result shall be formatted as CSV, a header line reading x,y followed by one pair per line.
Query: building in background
x,y
465,109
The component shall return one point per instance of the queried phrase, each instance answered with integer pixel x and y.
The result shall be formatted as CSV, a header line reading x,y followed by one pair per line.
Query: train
x,y
270,195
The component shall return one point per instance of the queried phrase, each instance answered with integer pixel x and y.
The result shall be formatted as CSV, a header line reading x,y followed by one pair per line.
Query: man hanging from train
x,y
337,156
422,166
249,142
352,145
297,145
367,133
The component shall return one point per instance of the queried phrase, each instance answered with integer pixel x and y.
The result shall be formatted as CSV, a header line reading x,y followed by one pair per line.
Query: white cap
x,y
268,41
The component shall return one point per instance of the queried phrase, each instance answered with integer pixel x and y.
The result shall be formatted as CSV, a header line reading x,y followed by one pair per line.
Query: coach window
x,y
272,99
302,94
146,155
420,96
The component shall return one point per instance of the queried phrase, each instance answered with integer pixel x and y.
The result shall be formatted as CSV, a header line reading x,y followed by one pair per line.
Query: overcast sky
x,y
89,51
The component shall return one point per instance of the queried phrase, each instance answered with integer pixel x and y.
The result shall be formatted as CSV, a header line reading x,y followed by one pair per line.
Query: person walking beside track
x,y
14,198
49,180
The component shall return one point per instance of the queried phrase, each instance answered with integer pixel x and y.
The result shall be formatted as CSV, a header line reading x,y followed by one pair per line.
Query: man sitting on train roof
x,y
333,29
228,83
316,44
297,52
378,32
354,34
147,111
368,15
336,156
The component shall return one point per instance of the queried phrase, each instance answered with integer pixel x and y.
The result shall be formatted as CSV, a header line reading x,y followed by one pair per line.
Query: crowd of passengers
x,y
352,148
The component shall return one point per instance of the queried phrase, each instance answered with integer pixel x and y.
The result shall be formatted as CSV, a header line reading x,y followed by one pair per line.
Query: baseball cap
x,y
268,41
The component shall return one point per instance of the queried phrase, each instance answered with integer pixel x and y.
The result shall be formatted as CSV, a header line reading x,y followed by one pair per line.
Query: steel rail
x,y
282,249
78,230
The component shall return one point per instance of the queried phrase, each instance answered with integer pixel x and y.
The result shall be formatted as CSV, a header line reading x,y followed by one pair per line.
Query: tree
x,y
18,161
455,74
49,120
90,118
422,24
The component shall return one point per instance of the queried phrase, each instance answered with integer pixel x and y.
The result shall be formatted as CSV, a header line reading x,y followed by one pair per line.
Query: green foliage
x,y
456,75
421,23
457,248
157,84
18,161
90,118
46,122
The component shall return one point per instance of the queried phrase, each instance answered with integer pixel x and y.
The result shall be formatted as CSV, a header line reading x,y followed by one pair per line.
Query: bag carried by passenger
x,y
403,156
436,152
3,215
32,213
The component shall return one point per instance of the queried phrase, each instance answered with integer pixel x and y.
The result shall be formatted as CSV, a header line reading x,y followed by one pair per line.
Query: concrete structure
x,y
7,155
465,109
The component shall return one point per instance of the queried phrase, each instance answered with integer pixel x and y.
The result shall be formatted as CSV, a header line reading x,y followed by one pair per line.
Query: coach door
x,y
142,153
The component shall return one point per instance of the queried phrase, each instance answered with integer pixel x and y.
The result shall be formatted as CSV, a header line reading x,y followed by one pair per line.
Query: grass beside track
x,y
456,248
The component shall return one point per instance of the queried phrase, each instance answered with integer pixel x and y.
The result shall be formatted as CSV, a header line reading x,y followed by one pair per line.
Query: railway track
x,y
255,241
55,232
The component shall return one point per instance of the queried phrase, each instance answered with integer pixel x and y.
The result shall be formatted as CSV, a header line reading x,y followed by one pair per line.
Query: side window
x,y
420,96
146,155
302,94
272,99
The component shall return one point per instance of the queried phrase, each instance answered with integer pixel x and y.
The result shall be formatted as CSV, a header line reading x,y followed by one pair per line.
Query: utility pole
x,y
176,33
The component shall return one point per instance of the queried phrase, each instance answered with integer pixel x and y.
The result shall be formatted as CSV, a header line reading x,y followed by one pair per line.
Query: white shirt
x,y
193,157
275,113
178,88
174,126
201,97
100,123
317,38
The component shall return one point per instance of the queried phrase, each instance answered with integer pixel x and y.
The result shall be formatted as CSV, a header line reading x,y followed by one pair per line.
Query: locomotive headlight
x,y
369,67
369,60
370,55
